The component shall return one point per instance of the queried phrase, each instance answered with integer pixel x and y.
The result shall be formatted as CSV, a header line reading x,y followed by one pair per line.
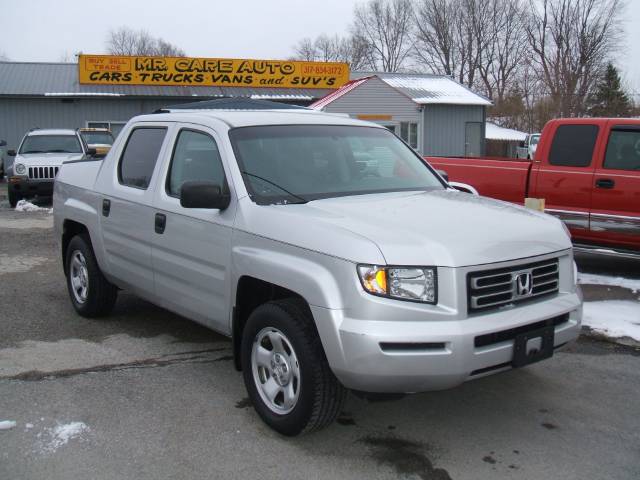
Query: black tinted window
x,y
195,157
623,150
573,145
140,155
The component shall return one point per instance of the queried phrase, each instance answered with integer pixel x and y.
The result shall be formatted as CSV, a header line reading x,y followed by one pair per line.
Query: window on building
x,y
409,133
195,157
140,156
573,145
623,149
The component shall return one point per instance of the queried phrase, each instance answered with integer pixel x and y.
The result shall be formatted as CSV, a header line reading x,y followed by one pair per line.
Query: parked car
x,y
586,170
38,159
528,148
264,226
99,138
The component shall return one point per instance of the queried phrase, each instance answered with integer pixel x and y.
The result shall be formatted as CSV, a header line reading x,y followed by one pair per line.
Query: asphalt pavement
x,y
146,394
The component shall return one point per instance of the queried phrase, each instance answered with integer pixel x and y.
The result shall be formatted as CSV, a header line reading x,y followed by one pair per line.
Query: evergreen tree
x,y
609,99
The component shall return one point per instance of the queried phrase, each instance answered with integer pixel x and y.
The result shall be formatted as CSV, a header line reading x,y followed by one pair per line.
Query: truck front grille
x,y
498,287
43,172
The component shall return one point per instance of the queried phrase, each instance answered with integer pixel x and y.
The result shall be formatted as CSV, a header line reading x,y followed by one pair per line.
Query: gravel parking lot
x,y
146,394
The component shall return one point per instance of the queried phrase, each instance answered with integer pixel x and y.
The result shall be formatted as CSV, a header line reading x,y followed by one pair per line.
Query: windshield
x,y
298,163
534,139
93,138
51,144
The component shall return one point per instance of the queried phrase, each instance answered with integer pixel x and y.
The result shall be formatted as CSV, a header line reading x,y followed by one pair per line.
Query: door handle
x,y
605,183
106,207
160,223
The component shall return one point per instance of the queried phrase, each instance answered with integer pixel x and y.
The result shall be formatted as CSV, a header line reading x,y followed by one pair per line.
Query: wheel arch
x,y
251,292
71,228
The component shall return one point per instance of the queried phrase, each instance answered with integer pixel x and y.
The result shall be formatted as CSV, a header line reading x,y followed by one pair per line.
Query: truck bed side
x,y
502,179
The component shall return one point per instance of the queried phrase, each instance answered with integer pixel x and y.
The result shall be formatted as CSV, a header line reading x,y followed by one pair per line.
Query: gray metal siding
x,y
444,128
18,115
375,97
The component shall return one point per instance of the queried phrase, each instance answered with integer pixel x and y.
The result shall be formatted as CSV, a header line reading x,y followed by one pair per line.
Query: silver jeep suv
x,y
38,159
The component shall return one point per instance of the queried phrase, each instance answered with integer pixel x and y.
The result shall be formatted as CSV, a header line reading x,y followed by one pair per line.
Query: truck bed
x,y
504,179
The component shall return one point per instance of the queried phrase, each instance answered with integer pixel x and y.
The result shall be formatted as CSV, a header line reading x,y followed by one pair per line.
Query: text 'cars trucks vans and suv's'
x,y
328,272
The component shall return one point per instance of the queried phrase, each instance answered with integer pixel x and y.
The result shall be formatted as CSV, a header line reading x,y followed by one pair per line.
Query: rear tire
x,y
14,197
91,294
299,367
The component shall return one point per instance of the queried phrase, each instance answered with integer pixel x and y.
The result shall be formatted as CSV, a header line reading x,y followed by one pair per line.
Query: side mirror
x,y
91,152
201,194
443,174
3,143
11,153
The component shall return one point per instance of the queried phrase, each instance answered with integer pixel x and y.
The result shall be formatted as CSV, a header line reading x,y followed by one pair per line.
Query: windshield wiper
x,y
60,151
31,151
302,199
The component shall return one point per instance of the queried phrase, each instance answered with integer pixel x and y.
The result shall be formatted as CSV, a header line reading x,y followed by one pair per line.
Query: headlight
x,y
20,169
417,284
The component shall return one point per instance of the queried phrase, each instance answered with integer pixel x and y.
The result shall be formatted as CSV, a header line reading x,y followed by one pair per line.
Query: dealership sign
x,y
210,72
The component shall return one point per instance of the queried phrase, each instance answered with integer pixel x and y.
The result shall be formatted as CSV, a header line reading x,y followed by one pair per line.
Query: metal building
x,y
433,113
49,95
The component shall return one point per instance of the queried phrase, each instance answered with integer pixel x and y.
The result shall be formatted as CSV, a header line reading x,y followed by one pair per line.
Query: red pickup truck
x,y
586,170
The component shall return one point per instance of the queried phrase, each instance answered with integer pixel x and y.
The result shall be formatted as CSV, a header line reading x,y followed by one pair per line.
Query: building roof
x,y
496,132
61,80
346,88
422,89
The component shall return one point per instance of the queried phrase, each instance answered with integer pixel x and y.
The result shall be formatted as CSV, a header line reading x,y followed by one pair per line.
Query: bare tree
x,y
332,49
126,41
451,36
503,47
385,26
572,40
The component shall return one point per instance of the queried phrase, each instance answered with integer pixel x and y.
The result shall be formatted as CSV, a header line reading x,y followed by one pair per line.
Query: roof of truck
x,y
244,118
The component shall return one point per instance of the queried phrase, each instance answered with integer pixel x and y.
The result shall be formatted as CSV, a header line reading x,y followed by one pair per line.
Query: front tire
x,y
286,371
92,295
14,197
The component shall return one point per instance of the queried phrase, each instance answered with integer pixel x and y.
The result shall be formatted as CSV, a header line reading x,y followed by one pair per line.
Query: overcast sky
x,y
40,30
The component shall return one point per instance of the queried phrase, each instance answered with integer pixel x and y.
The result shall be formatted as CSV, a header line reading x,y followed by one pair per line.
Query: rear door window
x,y
140,155
623,149
573,145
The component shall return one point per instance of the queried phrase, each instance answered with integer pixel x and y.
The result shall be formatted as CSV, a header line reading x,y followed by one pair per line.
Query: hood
x,y
442,227
47,158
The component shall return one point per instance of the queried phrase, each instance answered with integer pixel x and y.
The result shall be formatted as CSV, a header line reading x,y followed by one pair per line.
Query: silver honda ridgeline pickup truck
x,y
324,246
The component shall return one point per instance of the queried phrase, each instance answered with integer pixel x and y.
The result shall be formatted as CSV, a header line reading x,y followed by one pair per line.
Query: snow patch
x,y
26,206
593,279
613,318
61,434
7,424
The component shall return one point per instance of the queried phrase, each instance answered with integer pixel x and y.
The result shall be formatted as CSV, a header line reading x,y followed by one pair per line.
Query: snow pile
x,y
7,424
61,434
26,206
613,318
592,279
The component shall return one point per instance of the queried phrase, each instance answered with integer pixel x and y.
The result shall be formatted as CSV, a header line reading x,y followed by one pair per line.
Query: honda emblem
x,y
524,284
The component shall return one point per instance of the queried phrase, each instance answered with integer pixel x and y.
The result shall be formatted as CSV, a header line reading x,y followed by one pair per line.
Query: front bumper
x,y
399,356
27,187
